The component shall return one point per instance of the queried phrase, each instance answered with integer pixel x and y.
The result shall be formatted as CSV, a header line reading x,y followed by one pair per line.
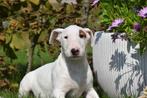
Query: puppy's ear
x,y
90,35
55,35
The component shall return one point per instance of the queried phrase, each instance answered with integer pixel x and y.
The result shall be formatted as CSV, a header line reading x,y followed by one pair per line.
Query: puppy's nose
x,y
75,52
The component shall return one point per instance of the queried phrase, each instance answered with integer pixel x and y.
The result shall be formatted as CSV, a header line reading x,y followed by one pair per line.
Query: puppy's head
x,y
73,40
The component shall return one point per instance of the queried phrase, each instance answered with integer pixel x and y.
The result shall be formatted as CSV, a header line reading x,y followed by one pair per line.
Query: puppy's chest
x,y
78,83
78,78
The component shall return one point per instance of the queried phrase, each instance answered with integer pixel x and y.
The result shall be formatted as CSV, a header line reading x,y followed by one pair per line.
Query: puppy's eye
x,y
82,35
66,37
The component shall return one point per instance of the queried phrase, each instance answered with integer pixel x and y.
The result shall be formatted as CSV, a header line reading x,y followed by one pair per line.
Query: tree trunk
x,y
33,42
30,57
85,11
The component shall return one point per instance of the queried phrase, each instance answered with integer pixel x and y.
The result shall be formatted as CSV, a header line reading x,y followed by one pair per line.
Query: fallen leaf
x,y
36,2
69,1
55,5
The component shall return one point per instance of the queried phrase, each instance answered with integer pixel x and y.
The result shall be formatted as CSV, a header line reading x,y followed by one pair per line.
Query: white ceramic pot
x,y
121,70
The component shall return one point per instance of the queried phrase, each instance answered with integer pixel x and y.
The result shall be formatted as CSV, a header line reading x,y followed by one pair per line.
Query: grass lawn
x,y
9,94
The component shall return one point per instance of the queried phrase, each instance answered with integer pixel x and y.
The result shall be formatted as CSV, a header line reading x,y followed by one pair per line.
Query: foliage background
x,y
25,26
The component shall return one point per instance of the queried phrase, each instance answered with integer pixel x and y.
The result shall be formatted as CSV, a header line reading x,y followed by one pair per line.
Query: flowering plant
x,y
129,17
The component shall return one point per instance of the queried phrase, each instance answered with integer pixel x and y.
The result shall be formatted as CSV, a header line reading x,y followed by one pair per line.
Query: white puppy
x,y
69,75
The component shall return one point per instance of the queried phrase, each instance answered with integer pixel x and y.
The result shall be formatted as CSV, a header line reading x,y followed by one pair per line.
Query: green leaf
x,y
9,51
17,42
70,9
36,2
4,11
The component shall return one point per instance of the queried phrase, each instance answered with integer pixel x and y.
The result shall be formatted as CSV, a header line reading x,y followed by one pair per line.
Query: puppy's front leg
x,y
91,93
58,94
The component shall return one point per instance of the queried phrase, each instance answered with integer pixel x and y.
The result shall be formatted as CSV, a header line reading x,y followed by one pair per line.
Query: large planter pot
x,y
121,70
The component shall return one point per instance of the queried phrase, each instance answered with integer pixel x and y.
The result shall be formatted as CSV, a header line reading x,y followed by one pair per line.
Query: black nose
x,y
75,51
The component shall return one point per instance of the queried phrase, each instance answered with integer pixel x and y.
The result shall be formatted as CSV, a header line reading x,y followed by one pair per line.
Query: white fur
x,y
68,74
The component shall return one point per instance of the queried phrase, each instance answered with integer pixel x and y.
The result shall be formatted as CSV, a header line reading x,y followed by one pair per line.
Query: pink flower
x,y
94,2
136,26
116,23
143,12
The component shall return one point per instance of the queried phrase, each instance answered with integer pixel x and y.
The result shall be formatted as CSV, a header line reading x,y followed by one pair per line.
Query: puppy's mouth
x,y
75,57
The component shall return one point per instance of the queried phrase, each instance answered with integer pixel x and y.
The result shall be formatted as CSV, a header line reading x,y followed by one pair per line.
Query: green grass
x,y
10,94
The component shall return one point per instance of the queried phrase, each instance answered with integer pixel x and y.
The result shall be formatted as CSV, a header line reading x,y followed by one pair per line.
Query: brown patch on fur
x,y
82,34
